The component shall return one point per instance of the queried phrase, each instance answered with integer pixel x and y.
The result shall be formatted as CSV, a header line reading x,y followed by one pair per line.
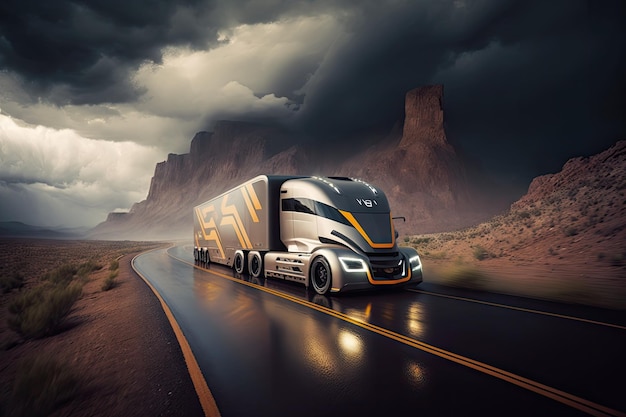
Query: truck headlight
x,y
415,262
353,264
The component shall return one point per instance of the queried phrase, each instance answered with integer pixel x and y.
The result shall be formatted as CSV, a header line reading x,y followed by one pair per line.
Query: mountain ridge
x,y
415,165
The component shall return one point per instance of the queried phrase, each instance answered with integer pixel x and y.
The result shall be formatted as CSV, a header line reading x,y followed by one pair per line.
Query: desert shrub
x,y
15,280
87,268
40,311
570,231
41,385
465,276
480,253
422,240
115,264
438,255
62,275
110,282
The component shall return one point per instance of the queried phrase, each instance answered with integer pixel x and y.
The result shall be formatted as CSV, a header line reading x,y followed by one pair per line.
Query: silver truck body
x,y
335,234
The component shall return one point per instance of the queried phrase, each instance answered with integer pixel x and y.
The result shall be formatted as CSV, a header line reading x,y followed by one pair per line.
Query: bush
x,y
114,265
87,268
480,253
40,311
110,282
63,275
570,231
7,283
465,276
41,385
422,240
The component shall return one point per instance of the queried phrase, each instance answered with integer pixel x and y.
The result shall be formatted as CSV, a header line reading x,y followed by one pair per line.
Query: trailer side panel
x,y
245,217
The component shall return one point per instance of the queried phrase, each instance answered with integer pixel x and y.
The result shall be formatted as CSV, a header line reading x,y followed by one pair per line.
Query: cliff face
x,y
418,170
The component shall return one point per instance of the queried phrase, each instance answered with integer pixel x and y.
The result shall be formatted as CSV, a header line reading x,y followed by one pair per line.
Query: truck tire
x,y
320,275
239,263
255,264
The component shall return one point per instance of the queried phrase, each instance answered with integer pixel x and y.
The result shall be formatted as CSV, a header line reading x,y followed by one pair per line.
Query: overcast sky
x,y
94,93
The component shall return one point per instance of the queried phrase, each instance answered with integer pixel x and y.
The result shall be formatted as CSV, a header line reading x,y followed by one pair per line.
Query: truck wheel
x,y
255,265
240,262
320,276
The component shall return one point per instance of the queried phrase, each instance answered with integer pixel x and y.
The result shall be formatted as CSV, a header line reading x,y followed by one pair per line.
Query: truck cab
x,y
346,225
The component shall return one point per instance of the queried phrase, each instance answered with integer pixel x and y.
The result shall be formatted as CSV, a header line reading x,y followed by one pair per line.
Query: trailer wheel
x,y
255,264
320,275
240,262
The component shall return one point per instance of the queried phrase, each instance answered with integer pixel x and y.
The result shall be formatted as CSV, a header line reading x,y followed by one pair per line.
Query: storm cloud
x,y
528,84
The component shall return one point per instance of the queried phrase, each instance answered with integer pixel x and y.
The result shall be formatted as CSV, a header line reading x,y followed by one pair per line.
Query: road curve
x,y
272,349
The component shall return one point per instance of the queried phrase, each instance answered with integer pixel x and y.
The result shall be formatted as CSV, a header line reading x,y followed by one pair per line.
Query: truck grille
x,y
387,266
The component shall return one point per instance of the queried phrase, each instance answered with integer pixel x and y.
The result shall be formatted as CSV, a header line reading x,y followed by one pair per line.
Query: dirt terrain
x,y
565,240
116,344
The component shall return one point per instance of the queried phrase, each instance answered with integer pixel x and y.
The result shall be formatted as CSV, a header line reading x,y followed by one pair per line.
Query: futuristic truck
x,y
333,233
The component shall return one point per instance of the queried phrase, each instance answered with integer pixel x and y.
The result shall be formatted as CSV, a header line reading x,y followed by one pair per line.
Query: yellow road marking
x,y
536,387
205,396
526,310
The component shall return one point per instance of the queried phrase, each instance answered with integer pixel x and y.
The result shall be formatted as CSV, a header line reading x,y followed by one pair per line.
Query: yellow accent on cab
x,y
354,222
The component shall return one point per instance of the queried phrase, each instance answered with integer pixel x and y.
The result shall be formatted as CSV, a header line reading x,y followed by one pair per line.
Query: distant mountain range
x,y
19,229
414,164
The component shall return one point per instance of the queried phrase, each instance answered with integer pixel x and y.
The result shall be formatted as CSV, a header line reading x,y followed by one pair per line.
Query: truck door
x,y
298,224
304,220
286,222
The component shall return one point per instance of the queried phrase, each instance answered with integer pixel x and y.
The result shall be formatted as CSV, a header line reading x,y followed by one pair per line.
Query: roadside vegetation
x,y
42,384
41,310
41,283
110,281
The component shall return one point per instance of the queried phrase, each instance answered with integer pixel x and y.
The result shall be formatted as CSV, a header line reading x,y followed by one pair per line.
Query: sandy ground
x,y
119,343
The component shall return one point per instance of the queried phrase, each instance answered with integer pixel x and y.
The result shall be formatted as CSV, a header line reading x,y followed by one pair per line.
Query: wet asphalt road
x,y
275,349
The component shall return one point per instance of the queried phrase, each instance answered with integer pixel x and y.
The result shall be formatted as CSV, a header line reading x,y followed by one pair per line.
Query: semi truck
x,y
335,234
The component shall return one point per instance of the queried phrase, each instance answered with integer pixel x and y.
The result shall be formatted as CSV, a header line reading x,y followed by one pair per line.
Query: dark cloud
x,y
528,84
90,47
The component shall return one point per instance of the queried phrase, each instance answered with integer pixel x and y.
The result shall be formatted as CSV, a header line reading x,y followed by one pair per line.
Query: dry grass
x,y
36,376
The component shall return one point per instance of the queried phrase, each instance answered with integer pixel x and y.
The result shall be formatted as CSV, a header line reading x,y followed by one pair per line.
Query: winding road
x,y
272,348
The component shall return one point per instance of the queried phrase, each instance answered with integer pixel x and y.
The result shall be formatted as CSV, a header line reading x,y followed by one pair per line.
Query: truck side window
x,y
304,205
288,204
300,205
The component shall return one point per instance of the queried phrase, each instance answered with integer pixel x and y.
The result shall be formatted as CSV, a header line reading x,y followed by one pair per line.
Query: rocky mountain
x,y
19,229
565,239
415,165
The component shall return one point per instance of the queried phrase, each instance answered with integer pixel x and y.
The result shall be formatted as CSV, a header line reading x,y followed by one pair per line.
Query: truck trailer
x,y
335,234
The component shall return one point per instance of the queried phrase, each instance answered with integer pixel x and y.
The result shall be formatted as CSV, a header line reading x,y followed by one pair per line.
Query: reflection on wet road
x,y
272,348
